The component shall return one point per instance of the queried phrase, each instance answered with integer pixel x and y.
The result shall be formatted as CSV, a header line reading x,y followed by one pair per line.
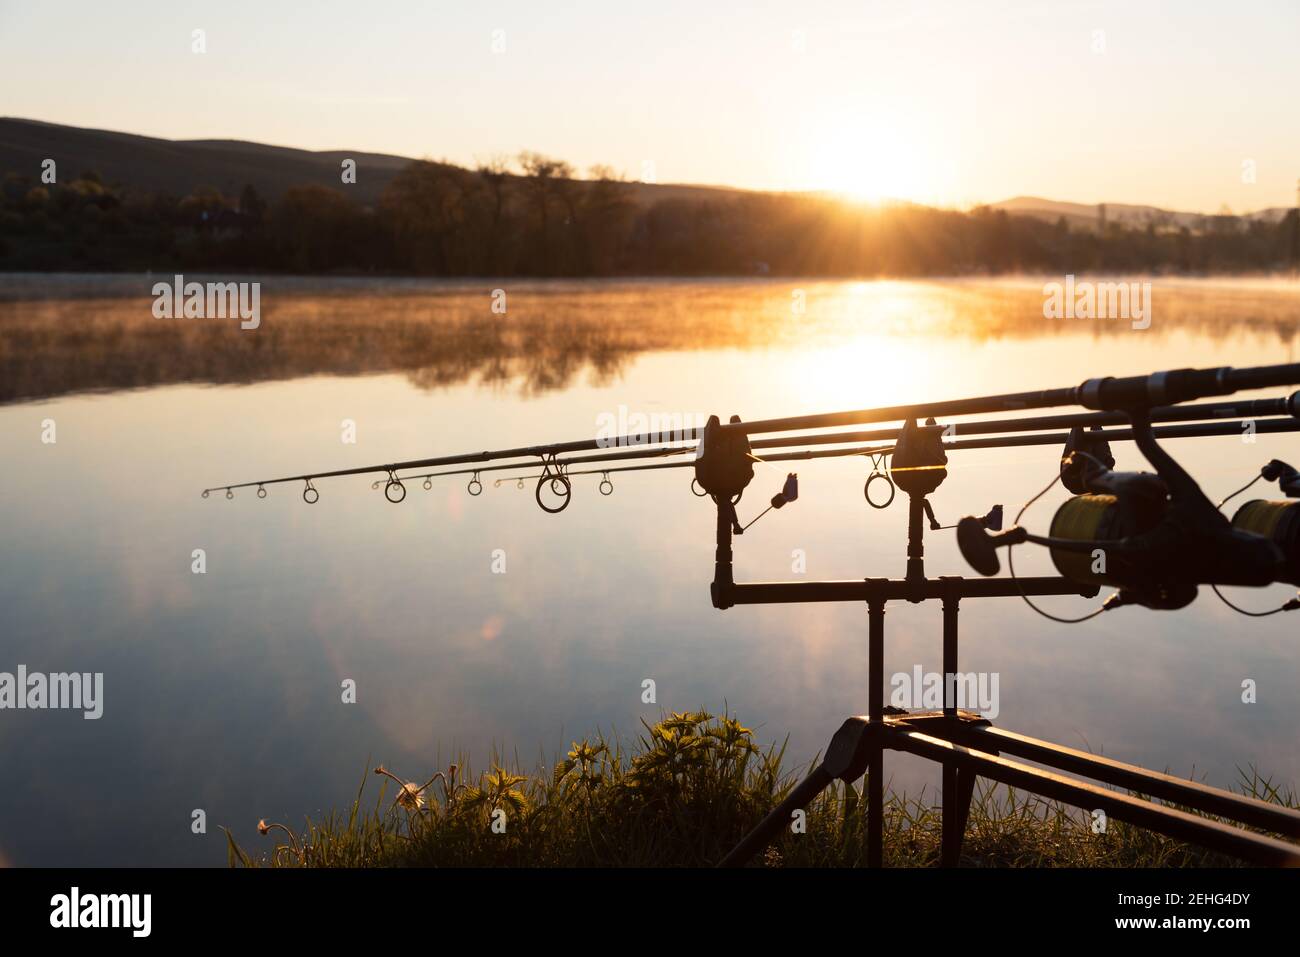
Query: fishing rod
x,y
544,451
883,472
475,486
631,445
554,477
1234,427
1107,394
1252,408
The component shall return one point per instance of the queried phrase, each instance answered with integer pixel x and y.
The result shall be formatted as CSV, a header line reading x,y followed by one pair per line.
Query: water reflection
x,y
83,334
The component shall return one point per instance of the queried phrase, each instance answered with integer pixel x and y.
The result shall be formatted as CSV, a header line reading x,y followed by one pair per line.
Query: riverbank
x,y
681,795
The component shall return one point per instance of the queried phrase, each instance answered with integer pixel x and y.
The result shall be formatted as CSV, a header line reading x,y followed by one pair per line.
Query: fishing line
x,y
1222,597
1011,561
1239,491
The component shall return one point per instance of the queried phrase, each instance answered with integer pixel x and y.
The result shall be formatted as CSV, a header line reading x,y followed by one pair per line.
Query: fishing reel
x,y
1155,537
1279,522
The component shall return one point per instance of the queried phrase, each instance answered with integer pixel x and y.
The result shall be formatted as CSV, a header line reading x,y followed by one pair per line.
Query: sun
x,y
870,163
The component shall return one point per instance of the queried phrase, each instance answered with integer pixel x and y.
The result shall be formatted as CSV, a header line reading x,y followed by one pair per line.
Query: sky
x,y
1185,104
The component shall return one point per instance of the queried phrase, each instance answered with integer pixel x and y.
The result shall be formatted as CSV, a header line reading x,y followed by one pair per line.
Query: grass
x,y
684,792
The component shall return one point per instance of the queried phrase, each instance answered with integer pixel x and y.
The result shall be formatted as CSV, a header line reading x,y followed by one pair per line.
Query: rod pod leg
x,y
958,786
720,591
846,759
875,782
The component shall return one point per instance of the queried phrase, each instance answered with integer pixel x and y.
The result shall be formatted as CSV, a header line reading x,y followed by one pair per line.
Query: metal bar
x,y
1261,814
956,811
952,828
722,586
915,537
951,604
1122,807
875,782
766,593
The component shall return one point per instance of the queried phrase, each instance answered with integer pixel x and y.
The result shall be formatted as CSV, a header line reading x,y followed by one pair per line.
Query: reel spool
x,y
1279,522
1097,518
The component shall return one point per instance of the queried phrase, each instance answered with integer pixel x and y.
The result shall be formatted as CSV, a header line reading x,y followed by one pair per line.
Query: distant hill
x,y
1081,216
179,166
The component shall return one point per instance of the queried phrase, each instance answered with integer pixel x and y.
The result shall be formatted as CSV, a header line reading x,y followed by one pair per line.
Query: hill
x,y
152,164
1082,216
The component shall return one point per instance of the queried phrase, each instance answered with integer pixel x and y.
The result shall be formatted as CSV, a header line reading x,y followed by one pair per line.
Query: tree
x,y
317,229
547,180
251,203
495,173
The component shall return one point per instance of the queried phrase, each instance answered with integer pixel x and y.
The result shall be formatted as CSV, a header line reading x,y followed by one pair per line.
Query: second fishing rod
x,y
879,489
1104,395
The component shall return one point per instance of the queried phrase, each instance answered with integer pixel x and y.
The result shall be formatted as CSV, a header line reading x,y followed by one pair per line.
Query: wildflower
x,y
263,828
410,795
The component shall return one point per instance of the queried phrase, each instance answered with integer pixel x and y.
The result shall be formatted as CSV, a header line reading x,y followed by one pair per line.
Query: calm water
x,y
222,690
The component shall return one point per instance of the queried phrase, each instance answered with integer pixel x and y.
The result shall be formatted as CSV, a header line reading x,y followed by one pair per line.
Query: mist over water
x,y
221,691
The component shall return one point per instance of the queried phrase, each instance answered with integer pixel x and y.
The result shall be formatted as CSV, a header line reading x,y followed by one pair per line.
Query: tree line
x,y
532,216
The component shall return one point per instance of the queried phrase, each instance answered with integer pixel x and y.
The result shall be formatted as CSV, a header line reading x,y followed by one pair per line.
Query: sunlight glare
x,y
869,162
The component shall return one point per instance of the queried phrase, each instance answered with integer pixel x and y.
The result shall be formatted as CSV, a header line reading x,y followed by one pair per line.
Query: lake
x,y
221,690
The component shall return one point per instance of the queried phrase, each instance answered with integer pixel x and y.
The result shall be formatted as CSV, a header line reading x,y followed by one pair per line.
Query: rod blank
x,y
1108,396
1189,431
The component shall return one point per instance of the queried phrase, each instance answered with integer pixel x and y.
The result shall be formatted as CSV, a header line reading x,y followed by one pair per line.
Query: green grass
x,y
681,795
